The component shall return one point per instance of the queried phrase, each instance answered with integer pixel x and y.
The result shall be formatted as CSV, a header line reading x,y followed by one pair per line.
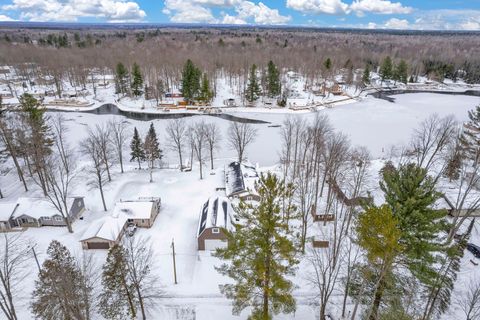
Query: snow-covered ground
x,y
374,123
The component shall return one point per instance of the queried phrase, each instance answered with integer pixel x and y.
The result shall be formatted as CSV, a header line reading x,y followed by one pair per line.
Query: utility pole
x,y
174,265
36,259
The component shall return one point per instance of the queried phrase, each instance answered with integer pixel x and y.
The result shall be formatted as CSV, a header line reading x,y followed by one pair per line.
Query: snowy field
x,y
374,123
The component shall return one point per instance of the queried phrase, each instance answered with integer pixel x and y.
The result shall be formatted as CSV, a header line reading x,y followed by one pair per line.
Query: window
x,y
57,218
215,230
143,220
30,220
46,218
79,204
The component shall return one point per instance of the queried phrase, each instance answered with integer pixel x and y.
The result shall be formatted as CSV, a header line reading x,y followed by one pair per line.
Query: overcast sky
x,y
404,14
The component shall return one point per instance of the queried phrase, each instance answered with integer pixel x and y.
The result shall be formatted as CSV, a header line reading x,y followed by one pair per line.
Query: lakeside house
x,y
108,231
37,212
240,182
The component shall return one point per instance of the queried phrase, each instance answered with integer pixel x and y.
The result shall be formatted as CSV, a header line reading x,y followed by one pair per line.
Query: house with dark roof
x,y
240,181
215,218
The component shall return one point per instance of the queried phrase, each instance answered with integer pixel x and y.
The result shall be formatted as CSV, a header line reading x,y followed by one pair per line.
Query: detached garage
x,y
215,218
104,233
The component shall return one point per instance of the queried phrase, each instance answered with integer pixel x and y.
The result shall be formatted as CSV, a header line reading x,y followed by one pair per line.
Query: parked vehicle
x,y
131,228
474,249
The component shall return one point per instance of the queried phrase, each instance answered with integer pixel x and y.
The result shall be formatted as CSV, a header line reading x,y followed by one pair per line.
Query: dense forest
x,y
162,52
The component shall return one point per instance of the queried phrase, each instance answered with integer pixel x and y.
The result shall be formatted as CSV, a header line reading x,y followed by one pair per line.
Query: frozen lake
x,y
375,123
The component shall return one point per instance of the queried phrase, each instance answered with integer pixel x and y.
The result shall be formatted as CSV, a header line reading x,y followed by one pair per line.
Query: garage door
x,y
98,245
212,245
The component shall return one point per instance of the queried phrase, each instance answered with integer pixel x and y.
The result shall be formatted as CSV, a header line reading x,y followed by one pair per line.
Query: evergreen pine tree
x,y
327,64
470,138
137,80
117,300
136,147
366,75
410,193
39,140
190,81
152,149
57,294
379,234
274,86
386,70
261,254
252,91
121,75
401,72
206,93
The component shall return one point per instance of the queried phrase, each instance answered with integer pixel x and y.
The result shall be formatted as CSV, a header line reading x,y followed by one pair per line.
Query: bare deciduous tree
x,y
240,135
176,132
14,256
118,137
431,139
197,140
140,263
469,301
98,169
213,137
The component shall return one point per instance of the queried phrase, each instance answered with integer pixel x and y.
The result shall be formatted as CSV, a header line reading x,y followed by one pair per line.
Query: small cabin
x,y
215,219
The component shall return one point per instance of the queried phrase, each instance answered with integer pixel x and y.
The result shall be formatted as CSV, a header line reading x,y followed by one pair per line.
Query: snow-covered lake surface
x,y
374,123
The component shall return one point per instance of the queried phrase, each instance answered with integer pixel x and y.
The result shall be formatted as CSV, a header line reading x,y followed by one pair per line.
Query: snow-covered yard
x,y
374,123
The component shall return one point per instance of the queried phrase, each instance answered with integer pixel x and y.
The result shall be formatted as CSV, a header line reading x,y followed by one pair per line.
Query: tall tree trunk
x,y
211,157
181,160
120,157
140,301
103,197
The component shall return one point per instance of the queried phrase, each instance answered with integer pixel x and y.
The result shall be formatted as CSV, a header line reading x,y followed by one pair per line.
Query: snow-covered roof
x,y
111,226
38,207
234,178
133,209
216,212
239,178
6,210
108,228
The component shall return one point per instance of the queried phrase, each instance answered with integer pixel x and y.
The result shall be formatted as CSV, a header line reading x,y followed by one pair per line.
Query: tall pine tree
x,y
261,254
152,149
401,72
190,81
386,69
206,93
274,86
366,75
470,138
117,300
252,91
136,146
39,138
57,294
121,78
137,80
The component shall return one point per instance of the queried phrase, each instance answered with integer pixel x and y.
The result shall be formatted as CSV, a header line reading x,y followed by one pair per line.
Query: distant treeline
x,y
232,51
